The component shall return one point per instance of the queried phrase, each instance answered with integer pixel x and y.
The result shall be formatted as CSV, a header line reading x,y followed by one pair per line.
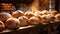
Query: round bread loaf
x,y
29,14
2,26
34,21
4,16
23,21
50,17
38,13
57,17
54,12
39,17
17,14
45,12
12,23
44,19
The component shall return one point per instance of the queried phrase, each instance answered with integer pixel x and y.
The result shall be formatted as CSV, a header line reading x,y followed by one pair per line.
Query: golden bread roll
x,y
2,26
17,14
29,14
23,21
12,23
39,17
4,16
39,13
51,17
54,12
44,19
34,21
45,12
57,17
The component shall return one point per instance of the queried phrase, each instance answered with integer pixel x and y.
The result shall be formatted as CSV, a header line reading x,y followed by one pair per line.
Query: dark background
x,y
29,2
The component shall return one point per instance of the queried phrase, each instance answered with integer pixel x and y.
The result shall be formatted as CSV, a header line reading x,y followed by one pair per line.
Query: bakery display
x,y
19,19
23,21
24,17
12,23
31,17
17,14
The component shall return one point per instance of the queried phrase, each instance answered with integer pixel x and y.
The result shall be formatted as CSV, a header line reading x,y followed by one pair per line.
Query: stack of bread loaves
x,y
19,18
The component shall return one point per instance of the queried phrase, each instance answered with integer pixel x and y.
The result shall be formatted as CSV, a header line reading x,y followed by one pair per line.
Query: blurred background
x,y
24,5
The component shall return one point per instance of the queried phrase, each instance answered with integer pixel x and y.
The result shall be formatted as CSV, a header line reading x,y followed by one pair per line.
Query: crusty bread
x,y
17,14
44,19
29,14
2,26
34,21
54,12
57,17
12,23
38,13
45,12
23,21
4,16
50,17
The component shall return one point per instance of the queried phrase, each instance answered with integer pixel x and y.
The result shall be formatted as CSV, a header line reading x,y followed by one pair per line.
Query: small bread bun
x,y
4,16
17,14
44,19
12,23
34,21
39,17
57,17
50,17
2,26
29,14
54,12
45,12
23,21
38,13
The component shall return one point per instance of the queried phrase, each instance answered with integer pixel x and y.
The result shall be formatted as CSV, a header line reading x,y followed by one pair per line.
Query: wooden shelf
x,y
32,29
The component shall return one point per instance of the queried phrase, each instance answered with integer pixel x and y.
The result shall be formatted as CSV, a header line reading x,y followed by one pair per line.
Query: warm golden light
x,y
35,5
